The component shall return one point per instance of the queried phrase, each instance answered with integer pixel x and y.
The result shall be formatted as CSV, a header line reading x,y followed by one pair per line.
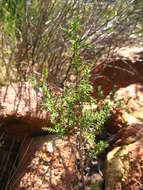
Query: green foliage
x,y
68,112
98,148
11,17
95,186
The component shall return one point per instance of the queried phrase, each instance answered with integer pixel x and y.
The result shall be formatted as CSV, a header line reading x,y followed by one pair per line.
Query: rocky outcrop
x,y
124,168
124,163
20,110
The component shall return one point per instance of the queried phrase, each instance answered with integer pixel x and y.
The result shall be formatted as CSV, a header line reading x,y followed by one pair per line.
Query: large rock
x,y
46,163
20,110
130,111
124,164
121,70
125,168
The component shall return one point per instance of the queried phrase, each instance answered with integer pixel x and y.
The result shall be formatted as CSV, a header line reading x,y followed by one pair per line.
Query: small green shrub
x,y
72,111
68,112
